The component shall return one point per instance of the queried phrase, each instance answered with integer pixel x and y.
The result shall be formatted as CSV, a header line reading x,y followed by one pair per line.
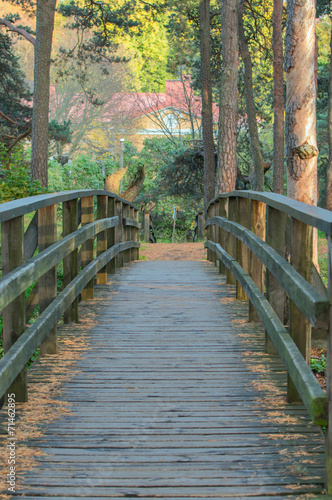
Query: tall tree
x,y
329,169
300,123
256,152
41,93
228,113
278,99
207,117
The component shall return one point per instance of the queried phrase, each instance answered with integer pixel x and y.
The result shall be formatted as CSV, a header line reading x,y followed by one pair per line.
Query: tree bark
x,y
301,145
329,169
207,116
228,110
278,99
41,93
258,178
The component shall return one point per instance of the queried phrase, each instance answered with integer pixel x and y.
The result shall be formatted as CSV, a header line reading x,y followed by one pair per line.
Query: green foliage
x,y
60,132
15,181
318,365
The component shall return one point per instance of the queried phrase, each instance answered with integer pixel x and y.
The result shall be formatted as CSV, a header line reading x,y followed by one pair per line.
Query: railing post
x,y
328,453
231,241
258,223
87,216
213,232
119,231
70,262
126,233
146,226
136,250
275,237
200,225
12,255
209,253
243,253
299,326
111,266
47,235
222,212
102,237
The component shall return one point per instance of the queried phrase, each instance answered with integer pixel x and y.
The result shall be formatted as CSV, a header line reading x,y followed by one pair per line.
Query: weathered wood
x,y
12,255
87,216
152,412
31,302
299,326
231,241
47,288
257,272
275,237
25,346
102,206
213,231
243,253
111,266
146,226
70,262
31,238
312,304
200,218
23,276
136,250
126,235
311,393
222,212
119,231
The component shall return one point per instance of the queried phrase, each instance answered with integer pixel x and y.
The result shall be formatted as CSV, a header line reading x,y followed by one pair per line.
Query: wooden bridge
x,y
151,381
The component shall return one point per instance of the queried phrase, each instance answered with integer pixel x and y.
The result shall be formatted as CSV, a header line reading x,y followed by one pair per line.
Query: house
x,y
177,112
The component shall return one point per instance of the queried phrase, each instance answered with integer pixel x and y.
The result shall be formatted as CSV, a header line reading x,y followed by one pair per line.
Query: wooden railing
x,y
264,245
83,217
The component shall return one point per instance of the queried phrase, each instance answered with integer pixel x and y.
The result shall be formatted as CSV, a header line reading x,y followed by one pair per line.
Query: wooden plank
x,y
299,326
243,251
119,232
102,207
70,262
87,216
111,266
222,212
47,286
257,271
12,255
231,241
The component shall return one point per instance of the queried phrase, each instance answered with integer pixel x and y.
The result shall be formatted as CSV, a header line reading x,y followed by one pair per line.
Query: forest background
x,y
147,43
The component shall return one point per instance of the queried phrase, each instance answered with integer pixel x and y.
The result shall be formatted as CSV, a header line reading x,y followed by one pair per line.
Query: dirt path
x,y
173,251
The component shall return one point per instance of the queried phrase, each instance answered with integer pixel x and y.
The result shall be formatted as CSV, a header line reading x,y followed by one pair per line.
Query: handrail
x,y
24,206
264,244
116,229
308,214
312,304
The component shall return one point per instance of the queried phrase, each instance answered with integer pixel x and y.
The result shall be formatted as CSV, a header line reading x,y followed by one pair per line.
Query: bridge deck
x,y
165,392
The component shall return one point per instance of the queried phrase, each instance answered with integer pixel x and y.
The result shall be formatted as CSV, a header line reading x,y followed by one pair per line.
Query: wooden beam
x,y
275,237
70,262
87,216
102,207
257,271
119,231
111,266
243,218
14,322
47,235
299,326
231,241
222,212
146,226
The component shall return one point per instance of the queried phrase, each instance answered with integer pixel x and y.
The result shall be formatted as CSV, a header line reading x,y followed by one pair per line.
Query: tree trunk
x,y
228,110
207,117
329,169
41,93
301,146
258,181
278,99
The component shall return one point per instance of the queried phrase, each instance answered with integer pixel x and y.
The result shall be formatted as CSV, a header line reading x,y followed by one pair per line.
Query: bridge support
x,y
12,255
243,253
102,202
258,225
87,209
231,241
111,266
47,235
70,262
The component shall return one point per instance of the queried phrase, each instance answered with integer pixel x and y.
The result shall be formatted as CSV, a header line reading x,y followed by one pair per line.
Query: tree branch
x,y
19,138
7,118
20,31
